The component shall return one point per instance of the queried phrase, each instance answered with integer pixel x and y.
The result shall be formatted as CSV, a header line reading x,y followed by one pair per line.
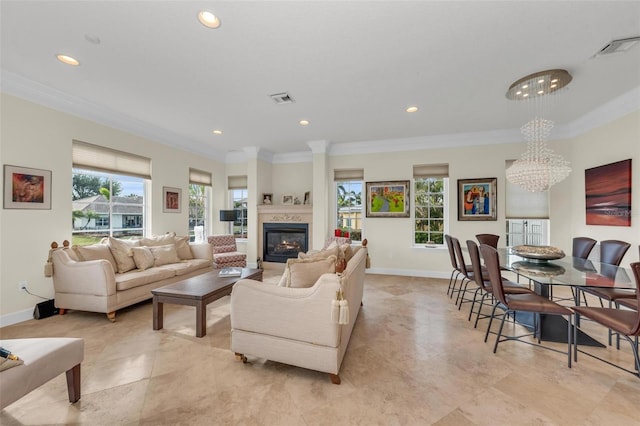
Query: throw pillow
x,y
121,251
183,248
164,255
305,273
322,254
95,252
159,240
143,257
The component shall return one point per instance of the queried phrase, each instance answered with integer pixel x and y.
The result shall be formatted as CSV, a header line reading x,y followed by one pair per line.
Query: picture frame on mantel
x,y
171,199
477,199
287,199
27,188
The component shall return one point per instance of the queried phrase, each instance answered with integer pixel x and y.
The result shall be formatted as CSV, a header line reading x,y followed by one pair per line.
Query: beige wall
x,y
39,137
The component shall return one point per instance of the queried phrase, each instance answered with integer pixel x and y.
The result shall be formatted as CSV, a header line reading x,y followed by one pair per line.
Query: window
x,y
108,193
239,203
199,195
105,204
430,203
349,202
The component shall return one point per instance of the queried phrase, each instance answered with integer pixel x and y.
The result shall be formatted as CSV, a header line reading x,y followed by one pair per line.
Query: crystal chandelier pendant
x,y
539,168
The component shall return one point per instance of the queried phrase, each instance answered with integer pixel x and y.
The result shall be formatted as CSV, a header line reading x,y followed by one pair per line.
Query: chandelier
x,y
539,168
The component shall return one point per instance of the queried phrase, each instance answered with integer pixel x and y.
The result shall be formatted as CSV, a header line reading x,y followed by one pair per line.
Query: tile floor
x,y
413,359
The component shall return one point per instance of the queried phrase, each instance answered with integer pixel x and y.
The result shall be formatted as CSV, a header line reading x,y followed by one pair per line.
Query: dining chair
x,y
465,270
484,285
455,273
611,253
488,239
625,322
582,246
526,302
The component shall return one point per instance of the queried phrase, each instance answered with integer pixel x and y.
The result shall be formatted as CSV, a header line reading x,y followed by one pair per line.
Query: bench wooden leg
x,y
62,311
111,316
335,379
73,383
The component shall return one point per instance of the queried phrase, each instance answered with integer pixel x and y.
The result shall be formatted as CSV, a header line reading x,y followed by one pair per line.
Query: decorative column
x,y
252,204
320,192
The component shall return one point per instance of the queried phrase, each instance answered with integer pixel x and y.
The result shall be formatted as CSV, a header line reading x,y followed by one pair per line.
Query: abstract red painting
x,y
608,194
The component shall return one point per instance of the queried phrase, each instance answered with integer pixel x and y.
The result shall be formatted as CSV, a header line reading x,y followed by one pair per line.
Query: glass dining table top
x,y
570,271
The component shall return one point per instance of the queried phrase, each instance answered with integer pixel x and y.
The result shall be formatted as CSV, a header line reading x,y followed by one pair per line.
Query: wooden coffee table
x,y
197,291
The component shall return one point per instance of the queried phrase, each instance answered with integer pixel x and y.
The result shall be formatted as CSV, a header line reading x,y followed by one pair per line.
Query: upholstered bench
x,y
44,359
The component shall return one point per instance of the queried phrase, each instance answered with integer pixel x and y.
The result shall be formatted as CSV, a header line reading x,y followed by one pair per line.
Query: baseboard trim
x,y
409,273
16,317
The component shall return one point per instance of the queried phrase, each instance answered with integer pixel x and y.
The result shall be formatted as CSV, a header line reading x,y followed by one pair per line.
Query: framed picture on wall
x,y
171,199
388,199
477,199
26,188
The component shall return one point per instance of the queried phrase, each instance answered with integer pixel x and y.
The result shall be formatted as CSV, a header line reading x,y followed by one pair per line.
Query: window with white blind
x,y
430,203
199,194
527,215
349,202
238,194
108,193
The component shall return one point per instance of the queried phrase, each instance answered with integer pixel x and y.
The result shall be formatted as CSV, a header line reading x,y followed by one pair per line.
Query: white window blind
x,y
522,204
98,158
237,182
430,171
199,177
348,174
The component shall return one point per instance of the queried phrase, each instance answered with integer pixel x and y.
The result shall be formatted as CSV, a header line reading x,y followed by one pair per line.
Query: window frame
x,y
445,214
241,219
355,208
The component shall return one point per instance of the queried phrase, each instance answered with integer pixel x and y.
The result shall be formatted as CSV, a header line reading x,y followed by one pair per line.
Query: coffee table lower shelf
x,y
197,291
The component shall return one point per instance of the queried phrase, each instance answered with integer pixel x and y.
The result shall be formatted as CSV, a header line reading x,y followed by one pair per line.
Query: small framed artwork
x,y
307,198
477,199
287,199
26,188
267,198
608,194
171,199
388,199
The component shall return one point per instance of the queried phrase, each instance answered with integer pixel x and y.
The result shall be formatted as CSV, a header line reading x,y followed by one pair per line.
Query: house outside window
x,y
105,204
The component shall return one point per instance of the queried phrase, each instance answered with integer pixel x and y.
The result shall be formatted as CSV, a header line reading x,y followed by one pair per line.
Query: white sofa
x,y
89,279
296,326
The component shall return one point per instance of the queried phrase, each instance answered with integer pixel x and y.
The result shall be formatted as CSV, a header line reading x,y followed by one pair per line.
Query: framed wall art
x,y
608,194
287,199
267,198
26,188
388,199
171,199
477,199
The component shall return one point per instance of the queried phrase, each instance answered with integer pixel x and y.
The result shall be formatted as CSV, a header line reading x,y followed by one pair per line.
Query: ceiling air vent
x,y
282,98
617,46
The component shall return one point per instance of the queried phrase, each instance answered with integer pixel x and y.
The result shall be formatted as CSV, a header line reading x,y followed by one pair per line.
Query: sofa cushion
x,y
137,278
224,249
121,251
229,257
164,255
187,266
183,248
159,240
322,254
305,272
143,257
95,252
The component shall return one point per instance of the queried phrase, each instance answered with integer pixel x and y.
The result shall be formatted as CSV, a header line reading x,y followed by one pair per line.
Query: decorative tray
x,y
540,254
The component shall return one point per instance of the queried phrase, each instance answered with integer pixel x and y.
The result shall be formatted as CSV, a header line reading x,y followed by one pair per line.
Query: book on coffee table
x,y
230,272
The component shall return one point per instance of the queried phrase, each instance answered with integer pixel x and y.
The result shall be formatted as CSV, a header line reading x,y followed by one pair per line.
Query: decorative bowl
x,y
538,269
538,254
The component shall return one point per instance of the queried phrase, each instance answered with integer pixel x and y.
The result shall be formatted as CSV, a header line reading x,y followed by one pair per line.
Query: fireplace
x,y
282,241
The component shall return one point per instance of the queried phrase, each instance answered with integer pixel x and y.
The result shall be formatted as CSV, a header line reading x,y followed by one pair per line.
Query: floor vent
x,y
282,98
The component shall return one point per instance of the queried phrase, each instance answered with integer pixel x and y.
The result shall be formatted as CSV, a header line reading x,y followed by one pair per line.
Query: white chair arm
x,y
94,277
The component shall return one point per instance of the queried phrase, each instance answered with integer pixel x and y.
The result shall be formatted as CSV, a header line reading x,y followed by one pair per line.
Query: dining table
x,y
566,271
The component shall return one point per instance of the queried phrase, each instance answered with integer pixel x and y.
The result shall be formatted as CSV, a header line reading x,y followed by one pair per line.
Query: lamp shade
x,y
228,215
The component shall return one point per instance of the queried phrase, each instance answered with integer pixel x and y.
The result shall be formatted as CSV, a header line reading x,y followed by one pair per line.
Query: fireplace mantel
x,y
279,213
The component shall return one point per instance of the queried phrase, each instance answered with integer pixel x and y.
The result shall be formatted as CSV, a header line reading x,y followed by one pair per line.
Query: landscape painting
x,y
388,199
608,194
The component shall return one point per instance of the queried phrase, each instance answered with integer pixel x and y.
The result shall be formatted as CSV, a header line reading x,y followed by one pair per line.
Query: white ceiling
x,y
351,66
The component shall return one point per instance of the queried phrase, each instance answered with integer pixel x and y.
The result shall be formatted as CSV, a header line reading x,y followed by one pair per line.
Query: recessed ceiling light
x,y
412,109
68,60
208,19
304,122
217,132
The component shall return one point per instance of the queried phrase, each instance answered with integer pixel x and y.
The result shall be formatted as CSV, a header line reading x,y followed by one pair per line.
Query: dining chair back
x,y
582,246
612,251
527,302
488,239
454,264
467,275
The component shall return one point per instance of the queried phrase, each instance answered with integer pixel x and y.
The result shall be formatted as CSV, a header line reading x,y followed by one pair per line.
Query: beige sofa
x,y
118,273
299,326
